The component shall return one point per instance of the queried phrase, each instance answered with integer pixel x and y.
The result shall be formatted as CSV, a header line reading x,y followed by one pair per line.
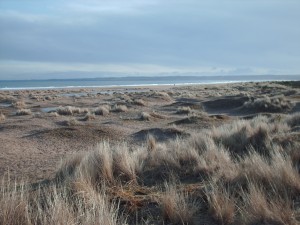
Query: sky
x,y
42,39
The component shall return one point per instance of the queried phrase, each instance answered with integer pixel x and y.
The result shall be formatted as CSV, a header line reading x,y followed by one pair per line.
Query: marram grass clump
x,y
233,174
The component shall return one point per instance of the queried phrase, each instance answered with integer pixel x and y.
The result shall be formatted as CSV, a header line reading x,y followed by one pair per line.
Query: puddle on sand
x,y
5,105
48,109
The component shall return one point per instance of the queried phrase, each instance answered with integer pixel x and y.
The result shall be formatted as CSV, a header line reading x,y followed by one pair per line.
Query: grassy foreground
x,y
245,172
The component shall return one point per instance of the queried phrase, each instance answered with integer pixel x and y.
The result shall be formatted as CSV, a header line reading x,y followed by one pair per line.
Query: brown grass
x,y
89,116
23,112
184,110
70,122
102,110
139,102
263,210
177,207
162,95
270,104
19,104
119,108
293,120
157,115
2,117
70,110
221,204
232,174
145,116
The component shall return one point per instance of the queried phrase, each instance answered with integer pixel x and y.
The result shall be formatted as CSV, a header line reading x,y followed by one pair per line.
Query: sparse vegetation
x,y
184,110
102,110
217,161
157,115
163,95
70,122
269,104
140,102
7,98
19,104
2,117
119,108
221,205
70,110
89,116
177,207
145,116
23,112
53,114
233,174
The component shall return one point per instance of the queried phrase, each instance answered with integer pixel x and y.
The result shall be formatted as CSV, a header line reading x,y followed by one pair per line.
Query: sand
x,y
32,146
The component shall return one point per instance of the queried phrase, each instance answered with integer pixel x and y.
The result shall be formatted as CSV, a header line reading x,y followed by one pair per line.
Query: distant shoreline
x,y
119,82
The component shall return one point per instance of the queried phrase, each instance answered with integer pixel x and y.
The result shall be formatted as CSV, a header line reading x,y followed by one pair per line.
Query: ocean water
x,y
136,81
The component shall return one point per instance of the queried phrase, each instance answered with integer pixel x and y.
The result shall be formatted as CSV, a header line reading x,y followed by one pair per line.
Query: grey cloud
x,y
185,33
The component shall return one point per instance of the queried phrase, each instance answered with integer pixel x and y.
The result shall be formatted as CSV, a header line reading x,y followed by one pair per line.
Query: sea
x,y
137,81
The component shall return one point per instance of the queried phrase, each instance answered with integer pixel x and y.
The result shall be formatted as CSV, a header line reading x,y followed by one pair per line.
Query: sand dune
x,y
198,154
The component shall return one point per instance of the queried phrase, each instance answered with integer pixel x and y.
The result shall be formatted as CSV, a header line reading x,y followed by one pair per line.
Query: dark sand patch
x,y
202,122
183,102
159,134
192,120
226,105
78,133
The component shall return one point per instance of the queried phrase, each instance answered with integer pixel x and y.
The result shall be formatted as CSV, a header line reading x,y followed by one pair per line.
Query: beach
x,y
39,129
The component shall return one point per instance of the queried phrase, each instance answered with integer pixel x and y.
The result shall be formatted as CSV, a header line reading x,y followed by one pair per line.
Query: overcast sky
x,y
90,38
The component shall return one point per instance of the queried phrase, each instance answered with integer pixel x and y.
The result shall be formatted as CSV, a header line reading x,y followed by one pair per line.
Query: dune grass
x,y
23,112
119,108
89,116
70,122
2,117
184,110
238,173
19,104
102,110
139,102
71,110
269,104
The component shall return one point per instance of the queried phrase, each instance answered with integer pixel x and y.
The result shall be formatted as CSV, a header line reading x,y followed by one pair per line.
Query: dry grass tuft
x,y
23,112
145,116
19,104
260,210
68,167
151,144
270,104
2,117
53,206
70,110
221,205
119,108
293,120
53,114
162,95
104,165
102,110
177,207
241,135
7,98
89,116
184,110
157,115
232,174
139,102
70,122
